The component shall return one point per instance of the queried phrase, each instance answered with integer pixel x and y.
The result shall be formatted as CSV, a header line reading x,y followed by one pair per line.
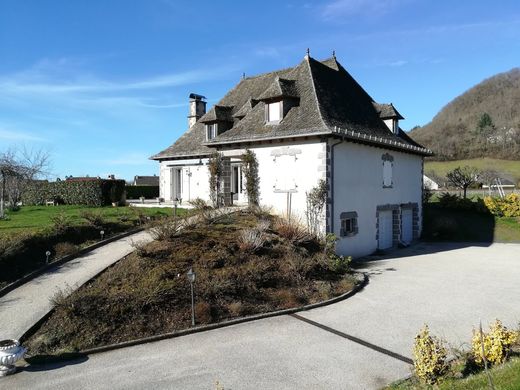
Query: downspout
x,y
331,225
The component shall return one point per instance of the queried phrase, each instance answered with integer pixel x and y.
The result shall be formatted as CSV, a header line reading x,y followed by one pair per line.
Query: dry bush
x,y
63,249
166,229
203,313
285,299
140,215
237,309
140,248
199,205
94,219
60,222
292,230
263,225
251,240
261,212
10,245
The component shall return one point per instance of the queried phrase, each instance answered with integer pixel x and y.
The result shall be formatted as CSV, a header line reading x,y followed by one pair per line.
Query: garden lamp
x,y
47,255
191,278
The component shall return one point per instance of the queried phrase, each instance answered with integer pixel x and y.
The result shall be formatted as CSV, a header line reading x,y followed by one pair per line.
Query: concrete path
x,y
24,306
362,343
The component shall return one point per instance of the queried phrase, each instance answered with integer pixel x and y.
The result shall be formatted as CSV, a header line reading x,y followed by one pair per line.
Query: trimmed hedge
x,y
97,192
135,192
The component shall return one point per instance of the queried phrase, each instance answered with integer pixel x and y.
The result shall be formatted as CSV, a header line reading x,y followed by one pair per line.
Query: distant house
x,y
429,183
305,124
146,181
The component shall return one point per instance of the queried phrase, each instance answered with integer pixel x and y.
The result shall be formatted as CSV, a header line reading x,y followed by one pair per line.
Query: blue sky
x,y
102,85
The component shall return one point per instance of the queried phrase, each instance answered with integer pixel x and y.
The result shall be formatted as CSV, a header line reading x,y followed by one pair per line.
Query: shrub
x,y
497,343
251,240
337,264
147,192
94,219
429,357
202,312
60,222
166,230
63,249
199,204
291,230
91,192
504,207
316,199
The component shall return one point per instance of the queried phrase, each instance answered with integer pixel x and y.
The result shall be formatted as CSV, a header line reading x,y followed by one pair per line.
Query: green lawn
x,y
37,218
505,377
508,167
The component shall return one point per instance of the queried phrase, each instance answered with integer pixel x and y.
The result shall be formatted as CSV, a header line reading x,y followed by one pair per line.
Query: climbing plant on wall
x,y
250,170
215,167
316,199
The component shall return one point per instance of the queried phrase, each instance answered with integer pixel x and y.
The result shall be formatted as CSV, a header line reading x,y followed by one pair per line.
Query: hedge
x,y
97,192
135,192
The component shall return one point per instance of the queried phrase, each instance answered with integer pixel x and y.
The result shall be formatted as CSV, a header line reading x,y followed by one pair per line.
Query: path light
x,y
102,232
47,255
191,278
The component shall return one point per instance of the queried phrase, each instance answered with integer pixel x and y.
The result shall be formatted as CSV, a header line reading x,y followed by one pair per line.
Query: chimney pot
x,y
197,108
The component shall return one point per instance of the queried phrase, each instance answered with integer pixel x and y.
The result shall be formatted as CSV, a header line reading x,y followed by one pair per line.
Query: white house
x,y
429,183
307,123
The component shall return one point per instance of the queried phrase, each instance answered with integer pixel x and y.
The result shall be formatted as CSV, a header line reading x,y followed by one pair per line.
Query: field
x,y
506,167
244,264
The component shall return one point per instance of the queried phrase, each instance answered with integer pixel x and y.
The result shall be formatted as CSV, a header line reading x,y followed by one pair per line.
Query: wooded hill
x,y
482,122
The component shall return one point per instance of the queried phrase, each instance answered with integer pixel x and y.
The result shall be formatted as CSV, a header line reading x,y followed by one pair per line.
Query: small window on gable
x,y
388,166
274,112
211,131
349,224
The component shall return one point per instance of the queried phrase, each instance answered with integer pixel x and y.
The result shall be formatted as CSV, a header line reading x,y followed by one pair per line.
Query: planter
x,y
10,352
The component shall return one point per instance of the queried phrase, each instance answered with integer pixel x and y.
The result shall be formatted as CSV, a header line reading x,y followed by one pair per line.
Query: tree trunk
x,y
465,190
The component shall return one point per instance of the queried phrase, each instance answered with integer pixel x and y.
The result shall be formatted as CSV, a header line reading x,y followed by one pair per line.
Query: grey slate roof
x,y
146,180
387,111
218,113
330,102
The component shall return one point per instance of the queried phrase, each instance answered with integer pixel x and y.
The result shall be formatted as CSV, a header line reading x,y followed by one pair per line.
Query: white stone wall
x,y
358,186
296,167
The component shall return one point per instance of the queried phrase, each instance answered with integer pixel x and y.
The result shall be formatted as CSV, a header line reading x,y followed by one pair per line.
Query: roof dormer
x,y
279,97
217,120
389,114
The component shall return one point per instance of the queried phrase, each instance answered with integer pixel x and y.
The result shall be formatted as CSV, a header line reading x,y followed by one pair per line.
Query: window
x,y
211,131
388,165
274,112
349,225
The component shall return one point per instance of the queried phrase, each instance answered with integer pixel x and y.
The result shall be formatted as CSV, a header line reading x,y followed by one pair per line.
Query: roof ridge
x,y
308,59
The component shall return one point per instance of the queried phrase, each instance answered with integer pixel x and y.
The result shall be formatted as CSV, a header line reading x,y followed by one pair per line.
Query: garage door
x,y
406,225
385,229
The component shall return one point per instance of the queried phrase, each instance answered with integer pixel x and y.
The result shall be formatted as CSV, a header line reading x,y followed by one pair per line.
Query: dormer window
x,y
211,131
273,112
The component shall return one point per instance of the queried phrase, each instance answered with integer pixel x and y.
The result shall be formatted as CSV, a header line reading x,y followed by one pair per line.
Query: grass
x,y
244,264
32,230
505,377
33,219
507,167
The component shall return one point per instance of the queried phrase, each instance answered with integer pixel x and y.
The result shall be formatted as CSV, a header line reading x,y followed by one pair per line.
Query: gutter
x,y
331,225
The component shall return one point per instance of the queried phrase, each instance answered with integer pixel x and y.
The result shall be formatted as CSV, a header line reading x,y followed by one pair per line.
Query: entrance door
x,y
407,225
385,229
236,181
176,183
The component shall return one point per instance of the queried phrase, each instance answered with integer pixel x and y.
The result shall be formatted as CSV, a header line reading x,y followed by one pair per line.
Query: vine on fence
x,y
250,169
215,167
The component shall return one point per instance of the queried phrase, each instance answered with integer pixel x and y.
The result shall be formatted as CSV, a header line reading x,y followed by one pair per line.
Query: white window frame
x,y
211,131
269,108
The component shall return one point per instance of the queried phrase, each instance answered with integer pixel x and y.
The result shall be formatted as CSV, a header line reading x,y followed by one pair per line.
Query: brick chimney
x,y
197,108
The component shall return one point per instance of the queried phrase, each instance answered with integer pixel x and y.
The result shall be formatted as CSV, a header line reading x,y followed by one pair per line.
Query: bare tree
x,y
463,177
488,177
18,167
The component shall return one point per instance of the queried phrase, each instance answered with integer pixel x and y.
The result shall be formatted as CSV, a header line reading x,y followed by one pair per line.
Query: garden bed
x,y
245,264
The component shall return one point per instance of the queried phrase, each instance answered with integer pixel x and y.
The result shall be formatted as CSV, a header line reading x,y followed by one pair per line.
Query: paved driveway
x,y
361,343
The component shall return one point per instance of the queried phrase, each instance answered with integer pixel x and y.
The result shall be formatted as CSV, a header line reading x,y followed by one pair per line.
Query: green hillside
x,y
482,122
506,168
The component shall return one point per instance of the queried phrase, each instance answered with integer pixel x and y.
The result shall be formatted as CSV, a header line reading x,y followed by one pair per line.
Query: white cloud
x,y
347,8
16,135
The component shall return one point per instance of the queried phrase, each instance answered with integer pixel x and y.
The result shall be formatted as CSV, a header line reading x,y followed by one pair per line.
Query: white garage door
x,y
407,225
385,229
